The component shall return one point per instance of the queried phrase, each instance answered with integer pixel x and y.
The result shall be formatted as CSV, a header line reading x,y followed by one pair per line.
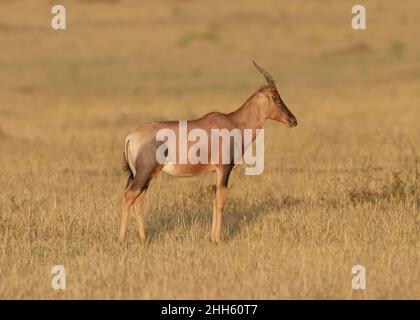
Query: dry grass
x,y
340,189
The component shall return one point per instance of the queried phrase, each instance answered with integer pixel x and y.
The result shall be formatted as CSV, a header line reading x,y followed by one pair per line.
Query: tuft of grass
x,y
397,48
396,189
193,37
360,47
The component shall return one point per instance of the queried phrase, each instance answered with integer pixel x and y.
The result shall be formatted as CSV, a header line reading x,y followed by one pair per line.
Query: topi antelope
x,y
141,145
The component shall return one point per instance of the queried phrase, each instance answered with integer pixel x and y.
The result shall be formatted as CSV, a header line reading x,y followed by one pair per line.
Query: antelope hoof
x,y
216,241
144,240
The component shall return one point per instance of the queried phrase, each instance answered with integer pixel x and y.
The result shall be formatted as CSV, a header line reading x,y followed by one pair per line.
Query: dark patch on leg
x,y
130,181
226,170
232,151
126,167
146,164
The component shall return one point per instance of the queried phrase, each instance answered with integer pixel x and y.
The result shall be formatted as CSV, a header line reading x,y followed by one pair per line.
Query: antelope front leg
x,y
223,173
221,196
213,222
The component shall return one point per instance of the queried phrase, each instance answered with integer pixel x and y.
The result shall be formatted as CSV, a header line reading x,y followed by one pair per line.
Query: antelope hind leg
x,y
125,212
146,168
137,209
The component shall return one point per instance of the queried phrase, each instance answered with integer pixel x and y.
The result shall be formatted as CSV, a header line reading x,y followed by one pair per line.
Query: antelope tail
x,y
128,165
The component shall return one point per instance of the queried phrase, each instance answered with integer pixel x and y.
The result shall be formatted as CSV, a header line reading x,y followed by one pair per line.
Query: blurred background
x,y
146,57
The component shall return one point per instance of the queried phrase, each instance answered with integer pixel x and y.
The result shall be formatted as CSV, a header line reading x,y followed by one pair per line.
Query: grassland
x,y
342,188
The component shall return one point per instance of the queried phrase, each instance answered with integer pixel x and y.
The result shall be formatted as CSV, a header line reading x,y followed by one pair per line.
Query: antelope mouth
x,y
291,123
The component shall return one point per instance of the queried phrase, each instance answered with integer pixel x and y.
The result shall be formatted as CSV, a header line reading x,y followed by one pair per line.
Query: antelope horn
x,y
266,75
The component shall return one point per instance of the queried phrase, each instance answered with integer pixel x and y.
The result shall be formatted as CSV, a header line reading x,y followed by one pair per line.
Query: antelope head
x,y
274,106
